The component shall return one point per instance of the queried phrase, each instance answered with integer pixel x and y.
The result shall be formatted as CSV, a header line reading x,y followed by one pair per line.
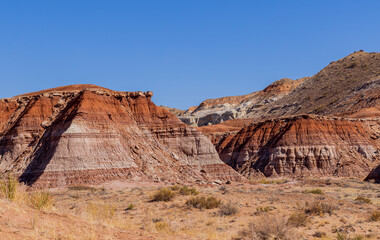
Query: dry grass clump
x,y
8,187
298,219
269,227
363,199
41,200
203,202
315,191
375,216
319,208
274,181
228,209
163,194
100,211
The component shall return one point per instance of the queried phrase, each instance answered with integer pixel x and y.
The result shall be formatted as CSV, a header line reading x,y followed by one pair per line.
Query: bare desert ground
x,y
325,208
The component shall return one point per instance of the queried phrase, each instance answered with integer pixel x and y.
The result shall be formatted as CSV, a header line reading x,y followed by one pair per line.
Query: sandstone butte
x,y
324,125
85,134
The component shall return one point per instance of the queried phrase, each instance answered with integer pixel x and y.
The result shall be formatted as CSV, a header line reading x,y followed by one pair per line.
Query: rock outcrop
x,y
374,175
214,111
304,145
87,134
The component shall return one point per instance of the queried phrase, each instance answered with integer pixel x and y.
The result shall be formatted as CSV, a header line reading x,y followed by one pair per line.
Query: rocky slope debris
x,y
88,134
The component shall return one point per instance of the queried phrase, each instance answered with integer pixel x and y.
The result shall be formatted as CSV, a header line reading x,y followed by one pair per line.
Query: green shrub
x,y
130,207
203,202
163,194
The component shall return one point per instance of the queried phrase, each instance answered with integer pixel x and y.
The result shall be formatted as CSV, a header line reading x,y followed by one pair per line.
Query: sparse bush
x,y
8,187
318,208
130,207
41,200
100,212
375,216
163,194
363,199
82,188
269,227
175,187
188,191
319,234
274,181
228,209
298,219
315,191
203,202
264,209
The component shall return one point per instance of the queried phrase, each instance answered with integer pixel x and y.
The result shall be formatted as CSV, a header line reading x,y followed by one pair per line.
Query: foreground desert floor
x,y
292,209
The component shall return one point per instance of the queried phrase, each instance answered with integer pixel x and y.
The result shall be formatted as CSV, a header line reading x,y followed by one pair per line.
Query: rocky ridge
x,y
88,134
214,111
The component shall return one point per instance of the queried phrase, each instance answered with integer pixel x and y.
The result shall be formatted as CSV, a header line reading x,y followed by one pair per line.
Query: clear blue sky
x,y
184,51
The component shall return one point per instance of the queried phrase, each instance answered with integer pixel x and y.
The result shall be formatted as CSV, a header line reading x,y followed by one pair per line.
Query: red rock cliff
x,y
87,134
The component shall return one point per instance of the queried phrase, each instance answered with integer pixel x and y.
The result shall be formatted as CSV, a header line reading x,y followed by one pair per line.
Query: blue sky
x,y
184,51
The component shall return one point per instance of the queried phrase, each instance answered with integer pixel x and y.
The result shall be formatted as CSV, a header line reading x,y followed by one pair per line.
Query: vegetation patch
x,y
363,199
315,191
228,209
319,208
41,200
163,194
203,202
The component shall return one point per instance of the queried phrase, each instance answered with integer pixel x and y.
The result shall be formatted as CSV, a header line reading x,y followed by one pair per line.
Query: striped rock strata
x,y
87,134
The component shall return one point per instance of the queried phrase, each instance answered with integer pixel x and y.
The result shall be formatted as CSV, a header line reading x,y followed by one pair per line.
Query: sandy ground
x,y
124,210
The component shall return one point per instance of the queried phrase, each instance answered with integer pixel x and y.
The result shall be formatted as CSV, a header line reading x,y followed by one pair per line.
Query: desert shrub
x,y
81,188
363,199
269,227
175,187
375,216
273,181
319,208
228,209
8,187
203,202
163,194
188,191
315,191
130,207
100,211
41,200
298,219
264,209
319,234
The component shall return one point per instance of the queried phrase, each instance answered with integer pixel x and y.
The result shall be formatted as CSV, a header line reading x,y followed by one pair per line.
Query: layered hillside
x,y
214,111
304,145
87,134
